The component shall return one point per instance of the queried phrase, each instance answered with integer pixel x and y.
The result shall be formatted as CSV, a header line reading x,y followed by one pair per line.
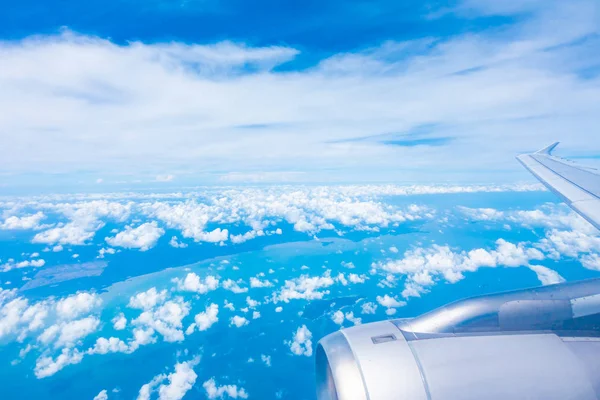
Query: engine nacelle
x,y
541,343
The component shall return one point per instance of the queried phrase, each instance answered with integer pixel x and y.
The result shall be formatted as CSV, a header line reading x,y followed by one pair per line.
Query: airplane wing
x,y
576,185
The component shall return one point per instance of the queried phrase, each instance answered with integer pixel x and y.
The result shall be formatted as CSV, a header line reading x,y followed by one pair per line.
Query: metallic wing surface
x,y
539,343
576,185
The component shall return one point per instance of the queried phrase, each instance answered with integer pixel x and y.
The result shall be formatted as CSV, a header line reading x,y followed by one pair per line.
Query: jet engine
x,y
540,343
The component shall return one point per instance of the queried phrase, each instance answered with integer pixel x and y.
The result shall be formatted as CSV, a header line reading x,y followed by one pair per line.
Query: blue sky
x,y
125,94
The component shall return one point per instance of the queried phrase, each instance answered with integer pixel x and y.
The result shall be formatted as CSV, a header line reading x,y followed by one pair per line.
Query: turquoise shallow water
x,y
225,350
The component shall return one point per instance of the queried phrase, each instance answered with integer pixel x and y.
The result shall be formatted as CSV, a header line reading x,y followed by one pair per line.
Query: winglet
x,y
548,149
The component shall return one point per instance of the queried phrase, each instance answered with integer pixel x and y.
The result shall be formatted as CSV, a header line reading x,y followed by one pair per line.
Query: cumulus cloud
x,y
176,244
25,222
147,388
208,318
591,261
165,319
85,218
193,283
47,366
173,386
390,302
179,382
546,275
238,321
251,302
304,287
338,317
119,322
234,286
354,278
213,391
148,299
301,344
266,359
257,283
104,251
22,264
77,304
67,334
110,345
103,395
71,233
423,265
19,317
369,308
144,237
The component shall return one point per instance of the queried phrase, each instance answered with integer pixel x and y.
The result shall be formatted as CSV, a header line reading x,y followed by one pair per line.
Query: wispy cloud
x,y
73,102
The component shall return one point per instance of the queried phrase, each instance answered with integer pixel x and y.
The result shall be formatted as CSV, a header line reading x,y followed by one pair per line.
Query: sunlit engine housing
x,y
541,343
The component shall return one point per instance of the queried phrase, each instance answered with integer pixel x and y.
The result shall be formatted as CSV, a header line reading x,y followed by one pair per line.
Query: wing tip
x,y
548,149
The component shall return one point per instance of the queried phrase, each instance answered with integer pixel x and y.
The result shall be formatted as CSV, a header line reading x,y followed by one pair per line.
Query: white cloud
x,y
71,332
304,287
70,233
350,317
266,359
229,306
390,302
119,322
301,344
193,283
278,309
251,302
144,237
369,308
175,243
591,261
257,283
236,239
233,286
147,388
206,319
338,317
104,251
103,395
354,278
238,321
24,222
213,391
530,67
180,381
85,219
546,275
77,304
110,345
165,319
22,264
47,366
17,316
148,299
423,265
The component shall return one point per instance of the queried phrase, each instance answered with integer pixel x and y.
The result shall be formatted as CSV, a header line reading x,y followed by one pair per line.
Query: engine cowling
x,y
541,343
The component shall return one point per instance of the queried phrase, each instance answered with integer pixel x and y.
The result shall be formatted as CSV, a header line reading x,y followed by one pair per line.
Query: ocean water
x,y
258,356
